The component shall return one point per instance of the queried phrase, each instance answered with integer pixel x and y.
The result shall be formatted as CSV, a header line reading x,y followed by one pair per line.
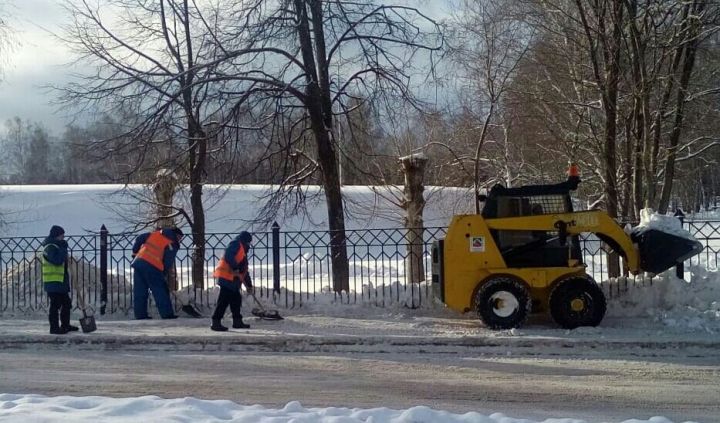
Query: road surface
x,y
595,389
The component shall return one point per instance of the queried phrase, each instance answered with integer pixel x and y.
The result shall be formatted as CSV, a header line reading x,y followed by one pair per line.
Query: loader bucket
x,y
659,251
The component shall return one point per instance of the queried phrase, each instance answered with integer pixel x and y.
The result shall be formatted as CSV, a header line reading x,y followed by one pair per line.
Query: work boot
x,y
217,326
70,328
238,323
172,316
55,328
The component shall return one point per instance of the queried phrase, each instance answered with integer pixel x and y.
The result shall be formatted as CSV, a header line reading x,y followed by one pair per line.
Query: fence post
x,y
680,268
103,268
276,256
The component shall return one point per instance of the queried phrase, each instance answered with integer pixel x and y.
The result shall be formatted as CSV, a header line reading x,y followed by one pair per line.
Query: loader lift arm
x,y
575,223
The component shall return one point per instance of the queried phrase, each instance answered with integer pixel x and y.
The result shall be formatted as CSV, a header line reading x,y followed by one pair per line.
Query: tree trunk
x,y
610,147
336,213
336,216
627,179
476,159
318,105
637,177
413,168
197,151
164,188
691,45
607,79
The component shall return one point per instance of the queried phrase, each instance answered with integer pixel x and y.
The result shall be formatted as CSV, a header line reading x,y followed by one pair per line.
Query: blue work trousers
x,y
148,277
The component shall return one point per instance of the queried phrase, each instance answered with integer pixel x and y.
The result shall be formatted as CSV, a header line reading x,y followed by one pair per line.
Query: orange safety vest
x,y
153,250
223,269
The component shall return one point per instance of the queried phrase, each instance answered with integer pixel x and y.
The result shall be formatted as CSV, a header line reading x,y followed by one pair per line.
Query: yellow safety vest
x,y
52,273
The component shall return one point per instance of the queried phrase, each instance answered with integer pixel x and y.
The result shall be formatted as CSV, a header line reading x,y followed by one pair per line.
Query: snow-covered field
x,y
40,409
28,209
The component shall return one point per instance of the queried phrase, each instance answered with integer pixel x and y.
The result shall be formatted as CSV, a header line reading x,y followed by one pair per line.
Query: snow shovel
x,y
262,313
87,322
191,311
186,308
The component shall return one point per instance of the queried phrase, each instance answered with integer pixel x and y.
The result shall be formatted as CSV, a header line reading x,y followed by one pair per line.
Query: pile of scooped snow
x,y
37,408
693,305
669,224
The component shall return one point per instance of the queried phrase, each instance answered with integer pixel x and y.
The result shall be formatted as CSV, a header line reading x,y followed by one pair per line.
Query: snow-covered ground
x,y
40,409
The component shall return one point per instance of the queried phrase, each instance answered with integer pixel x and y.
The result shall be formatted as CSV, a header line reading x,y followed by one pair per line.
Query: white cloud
x,y
36,62
40,59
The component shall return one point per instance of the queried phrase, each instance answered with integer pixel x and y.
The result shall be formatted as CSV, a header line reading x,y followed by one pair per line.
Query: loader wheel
x,y
503,303
576,302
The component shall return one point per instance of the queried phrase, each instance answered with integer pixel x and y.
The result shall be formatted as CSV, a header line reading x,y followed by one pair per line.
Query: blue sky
x,y
39,59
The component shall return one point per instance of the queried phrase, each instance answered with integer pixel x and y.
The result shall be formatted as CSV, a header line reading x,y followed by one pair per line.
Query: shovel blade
x,y
87,324
191,311
266,314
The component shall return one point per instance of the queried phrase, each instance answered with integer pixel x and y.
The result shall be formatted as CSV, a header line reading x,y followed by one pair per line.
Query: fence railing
x,y
291,268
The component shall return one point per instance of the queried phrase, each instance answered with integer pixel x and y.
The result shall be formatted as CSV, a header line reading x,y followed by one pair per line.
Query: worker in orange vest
x,y
230,273
154,254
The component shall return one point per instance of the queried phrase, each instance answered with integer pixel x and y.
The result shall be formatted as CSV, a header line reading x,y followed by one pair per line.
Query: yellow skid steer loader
x,y
522,254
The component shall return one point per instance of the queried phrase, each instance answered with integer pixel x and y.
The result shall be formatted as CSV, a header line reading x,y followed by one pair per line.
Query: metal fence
x,y
289,268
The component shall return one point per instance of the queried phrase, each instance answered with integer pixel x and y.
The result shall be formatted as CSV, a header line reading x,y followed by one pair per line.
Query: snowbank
x,y
670,301
38,409
26,276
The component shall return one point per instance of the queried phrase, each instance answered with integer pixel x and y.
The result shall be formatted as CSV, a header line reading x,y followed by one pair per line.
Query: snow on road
x,y
593,390
39,409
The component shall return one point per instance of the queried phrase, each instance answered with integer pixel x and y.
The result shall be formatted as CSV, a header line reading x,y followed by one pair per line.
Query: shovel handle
x,y
257,302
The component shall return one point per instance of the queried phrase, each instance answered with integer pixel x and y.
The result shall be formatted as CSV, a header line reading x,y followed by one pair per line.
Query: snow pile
x,y
38,408
668,224
673,302
395,295
26,276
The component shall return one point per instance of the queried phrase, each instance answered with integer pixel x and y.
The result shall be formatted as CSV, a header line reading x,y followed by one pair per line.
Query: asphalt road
x,y
597,390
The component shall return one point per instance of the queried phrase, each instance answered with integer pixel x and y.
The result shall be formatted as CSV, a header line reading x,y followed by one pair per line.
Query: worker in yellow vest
x,y
56,280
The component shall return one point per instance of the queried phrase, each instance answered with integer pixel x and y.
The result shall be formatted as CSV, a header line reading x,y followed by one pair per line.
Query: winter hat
x,y
56,231
245,237
178,231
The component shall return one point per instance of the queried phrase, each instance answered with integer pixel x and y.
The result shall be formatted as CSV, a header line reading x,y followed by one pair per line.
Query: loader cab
x,y
532,248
